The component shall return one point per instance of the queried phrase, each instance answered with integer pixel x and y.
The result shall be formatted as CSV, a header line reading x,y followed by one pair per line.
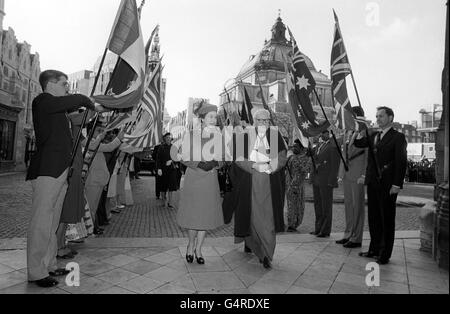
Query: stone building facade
x,y
19,85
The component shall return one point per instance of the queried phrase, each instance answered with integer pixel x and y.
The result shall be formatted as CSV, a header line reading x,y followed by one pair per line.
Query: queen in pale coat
x,y
200,206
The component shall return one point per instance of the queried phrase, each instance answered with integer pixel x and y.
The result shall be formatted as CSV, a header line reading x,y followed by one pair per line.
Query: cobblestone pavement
x,y
302,264
149,219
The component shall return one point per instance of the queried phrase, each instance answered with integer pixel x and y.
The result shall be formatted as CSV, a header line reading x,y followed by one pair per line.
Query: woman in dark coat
x,y
167,170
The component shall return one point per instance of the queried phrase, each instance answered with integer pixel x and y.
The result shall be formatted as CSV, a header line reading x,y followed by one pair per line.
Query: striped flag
x,y
340,69
126,40
146,130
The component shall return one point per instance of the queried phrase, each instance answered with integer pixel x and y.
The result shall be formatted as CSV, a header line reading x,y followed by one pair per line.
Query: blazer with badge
x,y
327,165
54,141
391,156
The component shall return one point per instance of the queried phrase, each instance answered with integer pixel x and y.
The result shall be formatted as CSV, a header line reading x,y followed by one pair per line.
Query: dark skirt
x,y
169,182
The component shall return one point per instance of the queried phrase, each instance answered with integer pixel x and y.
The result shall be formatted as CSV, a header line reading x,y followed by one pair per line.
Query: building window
x,y
7,132
5,71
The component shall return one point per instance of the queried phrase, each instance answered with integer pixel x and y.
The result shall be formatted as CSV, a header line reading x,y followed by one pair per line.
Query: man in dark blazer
x,y
325,180
383,184
48,173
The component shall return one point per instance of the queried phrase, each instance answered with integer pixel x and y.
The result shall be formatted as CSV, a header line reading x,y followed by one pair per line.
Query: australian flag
x,y
301,84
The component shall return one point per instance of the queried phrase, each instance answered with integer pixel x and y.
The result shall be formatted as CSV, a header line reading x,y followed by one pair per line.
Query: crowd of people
x,y
255,185
423,171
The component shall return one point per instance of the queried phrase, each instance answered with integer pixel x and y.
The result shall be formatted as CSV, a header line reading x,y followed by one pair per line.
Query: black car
x,y
147,162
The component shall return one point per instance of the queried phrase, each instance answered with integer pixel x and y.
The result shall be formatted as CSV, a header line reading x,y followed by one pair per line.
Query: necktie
x,y
378,138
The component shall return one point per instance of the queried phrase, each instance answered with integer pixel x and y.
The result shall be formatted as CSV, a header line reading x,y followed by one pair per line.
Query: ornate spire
x,y
156,48
279,30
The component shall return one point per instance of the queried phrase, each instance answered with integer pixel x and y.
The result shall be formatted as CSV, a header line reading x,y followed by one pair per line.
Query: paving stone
x,y
141,267
5,269
212,264
96,268
165,274
12,279
172,289
115,290
219,281
314,283
117,276
141,285
161,258
88,286
16,259
120,260
266,286
346,288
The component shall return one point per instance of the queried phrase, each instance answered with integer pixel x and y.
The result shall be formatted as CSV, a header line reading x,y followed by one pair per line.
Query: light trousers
x,y
42,245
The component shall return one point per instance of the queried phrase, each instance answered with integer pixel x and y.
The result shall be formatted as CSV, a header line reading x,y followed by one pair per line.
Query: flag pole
x,y
331,131
263,99
86,114
371,149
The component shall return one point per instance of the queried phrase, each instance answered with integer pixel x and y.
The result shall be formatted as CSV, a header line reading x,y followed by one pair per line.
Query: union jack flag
x,y
340,69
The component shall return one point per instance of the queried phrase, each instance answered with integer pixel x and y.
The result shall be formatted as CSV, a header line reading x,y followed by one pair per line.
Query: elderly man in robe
x,y
258,181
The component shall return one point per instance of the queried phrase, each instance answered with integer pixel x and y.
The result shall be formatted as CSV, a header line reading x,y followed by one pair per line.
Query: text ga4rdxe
x,y
247,304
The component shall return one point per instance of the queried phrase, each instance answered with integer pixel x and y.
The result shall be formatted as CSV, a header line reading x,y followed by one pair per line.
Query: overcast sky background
x,y
397,62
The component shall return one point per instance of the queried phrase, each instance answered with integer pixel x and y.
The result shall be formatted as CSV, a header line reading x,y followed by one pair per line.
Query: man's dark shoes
x,y
247,250
382,261
368,254
313,233
69,255
352,245
48,282
59,272
320,235
343,241
291,229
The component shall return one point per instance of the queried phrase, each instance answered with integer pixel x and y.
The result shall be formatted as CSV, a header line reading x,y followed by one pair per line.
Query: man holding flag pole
x,y
386,166
349,120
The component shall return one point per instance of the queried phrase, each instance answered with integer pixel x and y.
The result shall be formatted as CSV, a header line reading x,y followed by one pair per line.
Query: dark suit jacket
x,y
391,154
327,166
54,141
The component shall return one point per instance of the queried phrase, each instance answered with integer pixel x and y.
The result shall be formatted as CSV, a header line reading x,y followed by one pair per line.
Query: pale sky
x,y
397,56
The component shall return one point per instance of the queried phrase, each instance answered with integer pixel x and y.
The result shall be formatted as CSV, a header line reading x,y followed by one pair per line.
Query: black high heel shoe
x,y
189,258
200,260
